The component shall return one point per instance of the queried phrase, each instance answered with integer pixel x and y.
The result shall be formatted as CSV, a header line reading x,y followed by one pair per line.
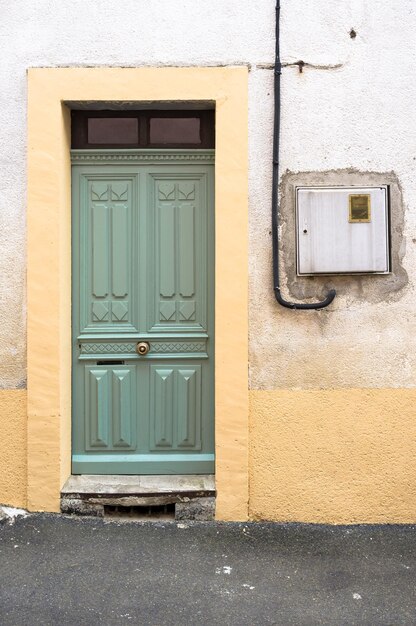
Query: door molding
x,y
49,263
145,155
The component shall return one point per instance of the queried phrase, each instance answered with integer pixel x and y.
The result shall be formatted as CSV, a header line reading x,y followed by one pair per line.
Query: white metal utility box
x,y
342,230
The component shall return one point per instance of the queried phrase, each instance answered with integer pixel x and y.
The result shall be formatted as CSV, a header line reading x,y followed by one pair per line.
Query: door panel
x,y
186,250
97,407
143,257
178,258
175,407
189,407
107,221
161,408
124,407
110,407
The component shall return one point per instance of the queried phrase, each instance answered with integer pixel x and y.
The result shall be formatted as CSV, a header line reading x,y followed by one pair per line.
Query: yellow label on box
x,y
360,209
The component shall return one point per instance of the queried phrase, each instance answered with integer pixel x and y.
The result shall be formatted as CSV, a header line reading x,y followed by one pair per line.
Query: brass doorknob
x,y
142,348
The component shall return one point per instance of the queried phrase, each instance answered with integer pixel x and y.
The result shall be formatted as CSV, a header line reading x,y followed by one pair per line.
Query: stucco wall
x,y
132,33
336,456
356,115
345,110
351,108
13,464
343,451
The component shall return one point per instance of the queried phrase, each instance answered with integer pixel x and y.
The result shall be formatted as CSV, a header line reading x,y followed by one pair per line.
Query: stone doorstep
x,y
192,495
139,485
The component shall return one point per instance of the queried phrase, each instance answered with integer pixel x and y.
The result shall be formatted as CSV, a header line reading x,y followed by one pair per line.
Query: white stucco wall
x,y
357,115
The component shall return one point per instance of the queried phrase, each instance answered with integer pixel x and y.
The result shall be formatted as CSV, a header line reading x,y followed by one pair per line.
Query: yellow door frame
x,y
49,263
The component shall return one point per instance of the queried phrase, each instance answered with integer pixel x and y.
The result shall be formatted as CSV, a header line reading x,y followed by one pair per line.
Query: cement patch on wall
x,y
368,288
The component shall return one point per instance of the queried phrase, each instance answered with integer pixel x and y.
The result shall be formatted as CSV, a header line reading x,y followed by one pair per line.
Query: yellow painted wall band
x,y
336,456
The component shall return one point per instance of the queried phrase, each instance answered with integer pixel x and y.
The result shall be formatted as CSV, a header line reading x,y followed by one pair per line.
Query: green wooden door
x,y
143,268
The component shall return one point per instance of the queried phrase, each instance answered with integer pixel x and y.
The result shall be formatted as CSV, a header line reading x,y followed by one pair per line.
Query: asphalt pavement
x,y
57,570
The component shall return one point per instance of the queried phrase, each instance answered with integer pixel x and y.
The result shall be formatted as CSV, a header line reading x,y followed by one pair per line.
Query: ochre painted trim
x,y
333,456
49,263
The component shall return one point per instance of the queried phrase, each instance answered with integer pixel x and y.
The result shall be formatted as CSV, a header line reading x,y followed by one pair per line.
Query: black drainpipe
x,y
275,183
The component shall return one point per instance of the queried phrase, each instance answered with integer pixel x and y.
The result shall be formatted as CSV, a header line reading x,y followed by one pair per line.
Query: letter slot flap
x,y
342,230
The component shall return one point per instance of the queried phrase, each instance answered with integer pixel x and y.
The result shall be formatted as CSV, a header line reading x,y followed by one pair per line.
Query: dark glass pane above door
x,y
143,129
113,130
168,130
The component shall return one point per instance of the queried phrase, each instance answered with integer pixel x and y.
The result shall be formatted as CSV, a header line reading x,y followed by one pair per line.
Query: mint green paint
x,y
143,267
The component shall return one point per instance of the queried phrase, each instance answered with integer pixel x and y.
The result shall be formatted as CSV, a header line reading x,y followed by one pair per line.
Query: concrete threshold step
x,y
186,497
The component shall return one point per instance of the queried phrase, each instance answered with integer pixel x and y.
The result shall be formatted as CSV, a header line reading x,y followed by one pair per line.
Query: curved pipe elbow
x,y
312,306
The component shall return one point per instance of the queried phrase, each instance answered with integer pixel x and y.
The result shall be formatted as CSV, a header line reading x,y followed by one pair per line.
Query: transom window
x,y
143,129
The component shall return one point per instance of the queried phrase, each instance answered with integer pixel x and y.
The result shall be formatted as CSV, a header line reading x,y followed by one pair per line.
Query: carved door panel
x,y
143,255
